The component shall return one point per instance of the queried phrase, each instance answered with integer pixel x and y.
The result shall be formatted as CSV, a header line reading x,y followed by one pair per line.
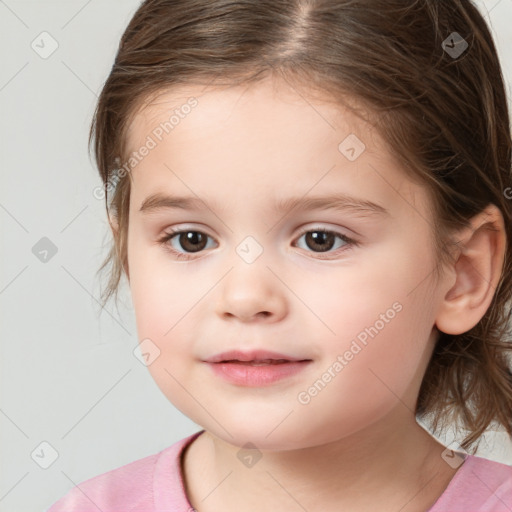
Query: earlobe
x,y
477,273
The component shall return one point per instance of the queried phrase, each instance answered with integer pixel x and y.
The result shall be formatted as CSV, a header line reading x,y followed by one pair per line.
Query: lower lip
x,y
262,375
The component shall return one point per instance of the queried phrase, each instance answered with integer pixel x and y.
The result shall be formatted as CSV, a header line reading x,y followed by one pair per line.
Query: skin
x,y
356,445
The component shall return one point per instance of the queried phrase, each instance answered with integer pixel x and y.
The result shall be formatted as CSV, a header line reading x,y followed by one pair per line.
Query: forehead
x,y
267,102
267,136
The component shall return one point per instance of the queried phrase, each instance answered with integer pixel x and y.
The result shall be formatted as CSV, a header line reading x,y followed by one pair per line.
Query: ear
x,y
114,226
476,273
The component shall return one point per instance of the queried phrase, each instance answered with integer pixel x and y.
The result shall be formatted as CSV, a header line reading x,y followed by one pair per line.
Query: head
x,y
262,111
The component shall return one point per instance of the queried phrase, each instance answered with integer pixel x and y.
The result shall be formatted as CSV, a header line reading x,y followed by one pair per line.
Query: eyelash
x,y
350,243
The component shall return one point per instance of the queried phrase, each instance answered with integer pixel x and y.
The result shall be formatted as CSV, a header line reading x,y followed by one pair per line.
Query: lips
x,y
258,362
257,369
254,357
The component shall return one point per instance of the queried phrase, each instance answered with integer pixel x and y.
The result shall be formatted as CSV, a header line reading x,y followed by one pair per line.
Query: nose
x,y
251,293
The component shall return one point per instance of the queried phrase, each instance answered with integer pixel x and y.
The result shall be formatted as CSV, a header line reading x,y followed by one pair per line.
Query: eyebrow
x,y
338,202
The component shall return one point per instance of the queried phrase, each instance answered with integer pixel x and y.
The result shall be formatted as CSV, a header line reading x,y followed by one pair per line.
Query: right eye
x,y
190,240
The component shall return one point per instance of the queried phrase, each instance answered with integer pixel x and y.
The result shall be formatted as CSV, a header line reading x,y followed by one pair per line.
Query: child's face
x,y
242,150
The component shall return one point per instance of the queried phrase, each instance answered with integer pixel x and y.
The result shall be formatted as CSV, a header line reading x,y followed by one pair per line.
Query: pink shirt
x,y
155,484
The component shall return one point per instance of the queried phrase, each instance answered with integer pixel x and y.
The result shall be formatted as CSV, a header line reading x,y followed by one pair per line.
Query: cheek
x,y
165,302
384,288
163,315
378,319
162,292
365,374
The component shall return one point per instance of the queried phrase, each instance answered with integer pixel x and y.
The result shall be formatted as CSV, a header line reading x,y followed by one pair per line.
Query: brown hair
x,y
444,115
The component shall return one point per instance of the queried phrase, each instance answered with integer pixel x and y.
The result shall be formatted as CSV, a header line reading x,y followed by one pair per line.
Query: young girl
x,y
311,202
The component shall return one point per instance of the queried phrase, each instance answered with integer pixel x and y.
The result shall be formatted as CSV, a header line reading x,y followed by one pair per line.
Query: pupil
x,y
191,238
316,236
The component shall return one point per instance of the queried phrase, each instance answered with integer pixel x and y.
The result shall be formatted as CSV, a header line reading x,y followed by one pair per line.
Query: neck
x,y
390,465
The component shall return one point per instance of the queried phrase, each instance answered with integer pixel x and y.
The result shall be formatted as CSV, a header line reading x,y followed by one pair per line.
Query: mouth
x,y
264,362
256,357
258,372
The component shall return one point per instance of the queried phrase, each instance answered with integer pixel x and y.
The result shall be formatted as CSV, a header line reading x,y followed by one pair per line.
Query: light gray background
x,y
68,375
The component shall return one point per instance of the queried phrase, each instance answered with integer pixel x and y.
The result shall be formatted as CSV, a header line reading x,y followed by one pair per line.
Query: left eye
x,y
324,239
